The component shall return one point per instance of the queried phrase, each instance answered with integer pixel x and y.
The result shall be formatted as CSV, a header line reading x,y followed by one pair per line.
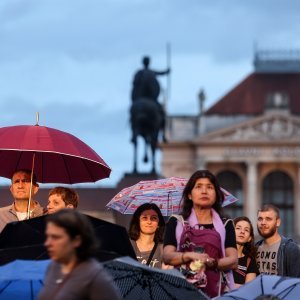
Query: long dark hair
x,y
187,204
135,229
76,224
249,247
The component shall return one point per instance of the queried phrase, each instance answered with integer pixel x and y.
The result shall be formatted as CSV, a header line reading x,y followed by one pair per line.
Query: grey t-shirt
x,y
267,258
142,257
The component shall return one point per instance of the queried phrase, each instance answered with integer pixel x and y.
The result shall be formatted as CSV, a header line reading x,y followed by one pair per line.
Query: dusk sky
x,y
73,61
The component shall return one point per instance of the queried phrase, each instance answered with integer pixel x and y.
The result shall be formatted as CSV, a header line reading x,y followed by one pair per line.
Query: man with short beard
x,y
276,254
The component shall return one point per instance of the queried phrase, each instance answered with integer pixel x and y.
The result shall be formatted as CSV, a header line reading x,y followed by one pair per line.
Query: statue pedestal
x,y
130,179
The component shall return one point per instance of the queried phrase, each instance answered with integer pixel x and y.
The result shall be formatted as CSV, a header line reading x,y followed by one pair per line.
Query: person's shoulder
x,y
228,222
89,268
259,243
96,269
5,208
290,243
39,210
92,263
175,218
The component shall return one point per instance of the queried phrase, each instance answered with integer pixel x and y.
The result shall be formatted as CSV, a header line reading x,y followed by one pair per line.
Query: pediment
x,y
270,127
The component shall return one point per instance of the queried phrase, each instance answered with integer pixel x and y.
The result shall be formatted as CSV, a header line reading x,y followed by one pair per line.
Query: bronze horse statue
x,y
146,121
147,116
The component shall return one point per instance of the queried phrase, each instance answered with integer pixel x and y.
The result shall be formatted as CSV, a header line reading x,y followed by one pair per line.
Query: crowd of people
x,y
215,253
24,186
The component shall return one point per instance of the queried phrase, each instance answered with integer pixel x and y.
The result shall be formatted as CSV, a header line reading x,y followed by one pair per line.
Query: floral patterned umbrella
x,y
165,193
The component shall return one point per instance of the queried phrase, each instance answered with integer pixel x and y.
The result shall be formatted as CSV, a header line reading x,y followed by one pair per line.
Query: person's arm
x,y
250,276
166,267
230,261
252,270
292,256
175,258
170,254
162,72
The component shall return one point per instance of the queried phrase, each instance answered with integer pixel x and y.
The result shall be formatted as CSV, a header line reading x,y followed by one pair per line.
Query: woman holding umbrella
x,y
146,232
200,241
73,273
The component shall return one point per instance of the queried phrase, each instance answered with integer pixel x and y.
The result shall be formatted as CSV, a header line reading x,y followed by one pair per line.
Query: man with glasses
x,y
20,190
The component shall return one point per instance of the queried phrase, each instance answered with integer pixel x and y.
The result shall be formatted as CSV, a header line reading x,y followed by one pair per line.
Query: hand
x,y
211,263
196,256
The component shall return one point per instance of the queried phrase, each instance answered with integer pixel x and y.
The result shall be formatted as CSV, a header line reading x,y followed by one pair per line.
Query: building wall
x,y
252,149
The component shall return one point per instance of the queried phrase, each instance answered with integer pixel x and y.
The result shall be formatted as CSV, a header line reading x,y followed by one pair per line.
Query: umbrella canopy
x,y
22,279
31,252
281,287
24,240
165,193
137,281
59,156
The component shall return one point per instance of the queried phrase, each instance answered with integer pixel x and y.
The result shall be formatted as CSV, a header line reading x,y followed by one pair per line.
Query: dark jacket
x,y
288,258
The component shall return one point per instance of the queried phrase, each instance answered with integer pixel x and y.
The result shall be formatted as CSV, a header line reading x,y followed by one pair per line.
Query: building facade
x,y
250,139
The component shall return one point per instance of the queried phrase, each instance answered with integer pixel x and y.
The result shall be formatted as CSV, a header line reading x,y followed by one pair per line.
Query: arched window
x,y
278,190
231,182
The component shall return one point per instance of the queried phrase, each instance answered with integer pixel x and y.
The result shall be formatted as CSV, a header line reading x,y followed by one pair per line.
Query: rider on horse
x,y
147,115
146,86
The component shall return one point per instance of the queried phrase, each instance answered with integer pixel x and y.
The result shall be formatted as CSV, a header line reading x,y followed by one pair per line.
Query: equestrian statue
x,y
147,115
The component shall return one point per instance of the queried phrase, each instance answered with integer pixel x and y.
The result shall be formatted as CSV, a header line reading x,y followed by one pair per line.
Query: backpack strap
x,y
180,219
226,221
179,228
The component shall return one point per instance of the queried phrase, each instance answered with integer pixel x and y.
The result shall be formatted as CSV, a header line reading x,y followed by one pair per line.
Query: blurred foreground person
x,y
276,254
146,232
247,268
60,198
73,273
199,241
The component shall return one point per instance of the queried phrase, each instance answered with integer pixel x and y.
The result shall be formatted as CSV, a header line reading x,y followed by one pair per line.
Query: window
x,y
231,182
278,190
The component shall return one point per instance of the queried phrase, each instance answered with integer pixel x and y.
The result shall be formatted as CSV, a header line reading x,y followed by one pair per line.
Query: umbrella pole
x,y
168,204
30,192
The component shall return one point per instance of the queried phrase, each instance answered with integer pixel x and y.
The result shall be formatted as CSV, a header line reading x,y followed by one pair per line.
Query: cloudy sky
x,y
73,61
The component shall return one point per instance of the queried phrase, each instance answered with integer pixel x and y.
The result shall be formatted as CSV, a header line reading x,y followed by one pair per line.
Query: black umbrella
x,y
267,285
137,281
24,240
34,252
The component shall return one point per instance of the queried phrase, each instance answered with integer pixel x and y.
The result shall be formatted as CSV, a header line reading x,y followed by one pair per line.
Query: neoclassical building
x,y
250,139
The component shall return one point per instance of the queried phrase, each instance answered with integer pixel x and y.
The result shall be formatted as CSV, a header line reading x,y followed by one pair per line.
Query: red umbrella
x,y
57,156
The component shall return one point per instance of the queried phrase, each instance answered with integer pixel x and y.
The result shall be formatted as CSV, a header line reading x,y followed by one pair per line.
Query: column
x,y
252,202
200,162
297,204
